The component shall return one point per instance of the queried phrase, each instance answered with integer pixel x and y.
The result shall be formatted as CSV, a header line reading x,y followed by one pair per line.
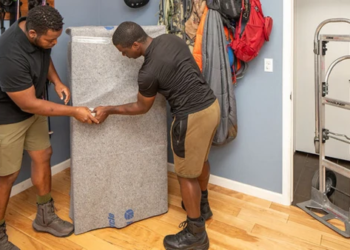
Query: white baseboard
x,y
243,188
20,187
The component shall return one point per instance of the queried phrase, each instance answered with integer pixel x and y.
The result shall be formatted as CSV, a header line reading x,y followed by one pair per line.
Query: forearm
x,y
126,109
46,108
52,74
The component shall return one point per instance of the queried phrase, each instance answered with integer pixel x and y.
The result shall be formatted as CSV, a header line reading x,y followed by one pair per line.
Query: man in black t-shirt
x,y
170,69
25,66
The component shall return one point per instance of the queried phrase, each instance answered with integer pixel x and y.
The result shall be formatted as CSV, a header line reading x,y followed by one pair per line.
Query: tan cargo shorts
x,y
191,139
31,134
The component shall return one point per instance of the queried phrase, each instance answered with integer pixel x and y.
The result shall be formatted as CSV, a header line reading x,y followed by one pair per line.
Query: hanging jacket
x,y
217,72
197,49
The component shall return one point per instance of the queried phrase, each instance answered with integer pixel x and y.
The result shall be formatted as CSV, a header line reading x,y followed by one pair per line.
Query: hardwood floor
x,y
239,222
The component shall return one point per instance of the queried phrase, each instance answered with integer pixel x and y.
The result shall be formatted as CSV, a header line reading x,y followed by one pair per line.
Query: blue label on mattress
x,y
129,214
109,27
111,220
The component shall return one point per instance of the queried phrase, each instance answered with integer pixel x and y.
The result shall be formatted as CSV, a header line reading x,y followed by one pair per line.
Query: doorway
x,y
307,16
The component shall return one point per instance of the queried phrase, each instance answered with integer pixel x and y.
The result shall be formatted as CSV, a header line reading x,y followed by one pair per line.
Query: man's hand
x,y
60,88
142,106
101,113
84,115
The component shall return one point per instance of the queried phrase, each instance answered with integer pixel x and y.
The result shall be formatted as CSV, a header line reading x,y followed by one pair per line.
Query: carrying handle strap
x,y
238,29
260,13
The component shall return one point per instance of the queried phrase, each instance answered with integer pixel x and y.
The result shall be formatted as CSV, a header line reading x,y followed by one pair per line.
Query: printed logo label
x,y
129,214
111,220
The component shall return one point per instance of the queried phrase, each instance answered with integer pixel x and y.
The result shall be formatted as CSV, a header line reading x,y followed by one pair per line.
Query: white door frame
x,y
287,101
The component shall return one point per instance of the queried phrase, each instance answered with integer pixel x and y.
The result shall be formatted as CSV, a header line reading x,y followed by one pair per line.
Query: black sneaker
x,y
193,236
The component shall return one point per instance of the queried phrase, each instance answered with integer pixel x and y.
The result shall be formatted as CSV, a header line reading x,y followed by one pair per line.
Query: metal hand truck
x,y
324,180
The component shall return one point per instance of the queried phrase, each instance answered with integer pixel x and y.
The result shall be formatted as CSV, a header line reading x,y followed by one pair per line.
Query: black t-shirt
x,y
170,69
22,65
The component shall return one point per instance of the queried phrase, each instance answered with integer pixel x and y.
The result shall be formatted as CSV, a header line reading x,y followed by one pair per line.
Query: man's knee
x,y
46,154
187,181
41,156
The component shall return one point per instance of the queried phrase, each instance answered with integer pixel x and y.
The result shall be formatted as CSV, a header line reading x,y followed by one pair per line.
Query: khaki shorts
x,y
191,139
31,134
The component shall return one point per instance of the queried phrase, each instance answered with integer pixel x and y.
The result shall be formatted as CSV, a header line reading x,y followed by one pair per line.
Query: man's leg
x,y
41,173
193,235
203,179
38,146
11,153
191,196
46,220
189,155
6,183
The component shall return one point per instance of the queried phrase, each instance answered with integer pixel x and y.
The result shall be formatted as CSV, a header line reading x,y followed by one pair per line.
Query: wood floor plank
x,y
91,242
231,231
262,215
17,203
121,240
23,241
291,210
283,237
243,197
226,240
335,243
302,232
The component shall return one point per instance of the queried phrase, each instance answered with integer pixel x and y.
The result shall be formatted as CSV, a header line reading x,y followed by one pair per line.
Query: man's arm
x,y
59,86
142,106
27,101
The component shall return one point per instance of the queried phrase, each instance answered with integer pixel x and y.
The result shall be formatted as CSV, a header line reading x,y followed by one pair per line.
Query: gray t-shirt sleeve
x,y
14,75
148,84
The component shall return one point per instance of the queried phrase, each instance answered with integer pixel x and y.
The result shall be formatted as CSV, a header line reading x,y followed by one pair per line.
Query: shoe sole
x,y
202,247
42,229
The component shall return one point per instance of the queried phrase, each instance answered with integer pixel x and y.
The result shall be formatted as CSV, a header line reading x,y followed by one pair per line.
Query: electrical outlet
x,y
268,65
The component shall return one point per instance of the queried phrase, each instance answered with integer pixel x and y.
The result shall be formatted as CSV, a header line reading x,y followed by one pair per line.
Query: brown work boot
x,y
4,242
47,221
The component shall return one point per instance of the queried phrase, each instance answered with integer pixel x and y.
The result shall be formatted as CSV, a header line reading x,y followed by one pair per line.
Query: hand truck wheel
x,y
331,182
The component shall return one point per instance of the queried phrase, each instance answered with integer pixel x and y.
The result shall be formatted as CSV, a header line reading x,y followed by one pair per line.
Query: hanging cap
x,y
136,3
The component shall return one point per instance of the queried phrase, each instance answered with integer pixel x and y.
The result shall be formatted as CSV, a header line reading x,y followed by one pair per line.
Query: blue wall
x,y
255,157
